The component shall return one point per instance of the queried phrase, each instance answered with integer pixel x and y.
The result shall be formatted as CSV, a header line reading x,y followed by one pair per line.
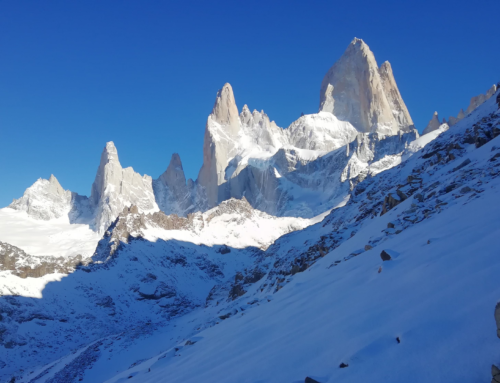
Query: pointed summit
x,y
433,124
225,111
55,187
222,128
398,107
174,176
45,200
115,187
478,100
453,120
173,195
357,91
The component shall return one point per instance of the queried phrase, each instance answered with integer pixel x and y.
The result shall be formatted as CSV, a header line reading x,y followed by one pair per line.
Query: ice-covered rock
x,y
115,187
355,89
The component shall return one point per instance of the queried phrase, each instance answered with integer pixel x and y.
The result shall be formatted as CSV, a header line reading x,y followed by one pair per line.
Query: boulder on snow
x,y
392,200
388,255
368,247
343,365
385,256
310,380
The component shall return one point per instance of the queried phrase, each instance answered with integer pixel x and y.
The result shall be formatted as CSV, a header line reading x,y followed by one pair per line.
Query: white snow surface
x,y
437,298
260,230
57,237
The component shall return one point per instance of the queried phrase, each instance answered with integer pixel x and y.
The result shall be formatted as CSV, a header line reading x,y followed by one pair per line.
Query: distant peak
x,y
110,153
225,111
176,160
357,41
386,66
110,146
359,44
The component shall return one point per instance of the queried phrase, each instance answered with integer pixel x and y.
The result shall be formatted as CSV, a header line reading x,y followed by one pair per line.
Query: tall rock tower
x,y
223,126
355,89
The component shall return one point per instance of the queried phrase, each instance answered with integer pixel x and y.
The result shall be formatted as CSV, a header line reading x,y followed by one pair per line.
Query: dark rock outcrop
x,y
385,256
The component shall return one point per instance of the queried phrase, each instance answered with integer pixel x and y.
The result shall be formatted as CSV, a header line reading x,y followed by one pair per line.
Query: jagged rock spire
x,y
433,124
115,188
174,177
356,90
478,100
222,127
172,194
225,111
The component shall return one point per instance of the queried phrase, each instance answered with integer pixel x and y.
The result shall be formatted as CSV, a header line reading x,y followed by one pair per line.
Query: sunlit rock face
x,y
355,89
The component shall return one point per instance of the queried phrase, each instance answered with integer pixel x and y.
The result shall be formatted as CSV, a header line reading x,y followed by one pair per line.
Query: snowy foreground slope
x,y
160,310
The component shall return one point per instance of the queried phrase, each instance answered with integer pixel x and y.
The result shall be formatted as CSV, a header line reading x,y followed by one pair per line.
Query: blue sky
x,y
75,74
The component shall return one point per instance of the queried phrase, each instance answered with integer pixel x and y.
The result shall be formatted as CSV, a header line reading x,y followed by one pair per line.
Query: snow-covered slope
x,y
57,237
233,223
170,310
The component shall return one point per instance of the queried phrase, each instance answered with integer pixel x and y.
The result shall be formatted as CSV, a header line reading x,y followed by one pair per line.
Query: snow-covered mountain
x,y
278,171
248,155
398,284
341,247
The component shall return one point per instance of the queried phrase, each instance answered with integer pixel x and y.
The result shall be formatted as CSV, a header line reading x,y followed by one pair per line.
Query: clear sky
x,y
144,74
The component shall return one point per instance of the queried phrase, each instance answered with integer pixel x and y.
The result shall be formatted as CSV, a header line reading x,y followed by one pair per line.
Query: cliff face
x,y
115,188
355,89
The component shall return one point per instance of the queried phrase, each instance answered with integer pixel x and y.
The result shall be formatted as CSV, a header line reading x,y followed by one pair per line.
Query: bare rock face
x,y
115,188
478,100
225,111
220,133
399,109
175,196
433,124
453,120
355,89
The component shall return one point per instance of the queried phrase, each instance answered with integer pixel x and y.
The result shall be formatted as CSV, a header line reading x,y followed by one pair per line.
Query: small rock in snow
x,y
385,256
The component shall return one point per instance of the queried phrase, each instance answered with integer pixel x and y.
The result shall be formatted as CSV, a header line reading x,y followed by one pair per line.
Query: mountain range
x,y
343,246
